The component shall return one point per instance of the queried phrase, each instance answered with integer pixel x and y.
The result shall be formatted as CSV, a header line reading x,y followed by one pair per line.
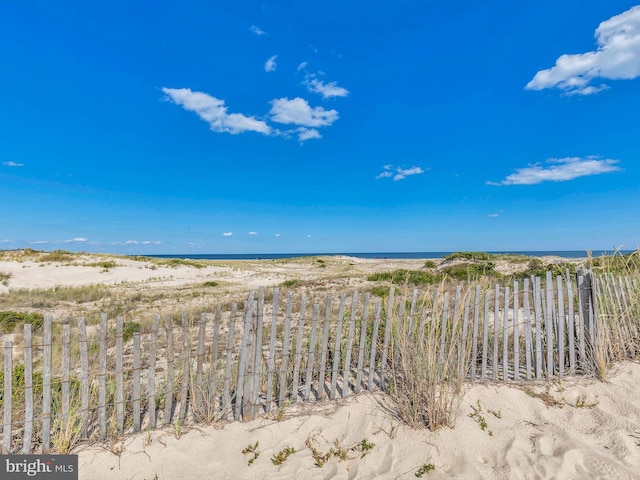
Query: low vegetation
x,y
10,319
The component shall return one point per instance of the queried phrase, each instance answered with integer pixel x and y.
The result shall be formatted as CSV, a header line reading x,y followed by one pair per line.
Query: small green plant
x,y
320,459
290,283
426,468
56,256
364,447
380,291
497,414
4,278
581,402
253,450
282,456
402,276
479,418
129,329
209,284
177,428
105,264
430,264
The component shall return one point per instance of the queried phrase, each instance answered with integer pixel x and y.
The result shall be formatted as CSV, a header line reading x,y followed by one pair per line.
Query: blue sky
x,y
255,127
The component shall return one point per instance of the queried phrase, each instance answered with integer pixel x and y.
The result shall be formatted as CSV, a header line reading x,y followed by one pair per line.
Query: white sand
x,y
531,440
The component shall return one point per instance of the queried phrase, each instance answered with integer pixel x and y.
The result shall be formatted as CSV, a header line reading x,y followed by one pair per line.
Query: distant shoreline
x,y
382,255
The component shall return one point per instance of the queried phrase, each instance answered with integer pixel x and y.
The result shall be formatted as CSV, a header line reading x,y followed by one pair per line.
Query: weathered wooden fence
x,y
76,380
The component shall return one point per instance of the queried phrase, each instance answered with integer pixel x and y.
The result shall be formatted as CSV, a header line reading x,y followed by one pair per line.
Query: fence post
x,y
84,374
46,384
8,397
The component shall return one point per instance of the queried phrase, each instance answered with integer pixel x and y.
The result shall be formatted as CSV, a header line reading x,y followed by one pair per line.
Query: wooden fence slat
x,y
213,371
581,322
324,352
571,324
119,373
347,359
286,341
443,328
463,340
257,361
248,306
185,365
387,333
505,335
46,383
151,385
496,330
362,343
485,335
549,323
102,377
250,402
516,333
226,392
199,386
298,354
474,346
537,305
412,310
8,398
374,344
336,348
272,350
168,392
561,323
136,382
312,352
528,340
84,374
28,390
66,372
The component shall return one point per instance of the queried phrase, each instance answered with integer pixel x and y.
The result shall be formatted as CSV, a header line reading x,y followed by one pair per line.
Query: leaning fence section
x,y
103,378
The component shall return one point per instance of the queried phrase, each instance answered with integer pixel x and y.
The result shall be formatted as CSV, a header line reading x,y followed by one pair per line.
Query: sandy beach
x,y
574,428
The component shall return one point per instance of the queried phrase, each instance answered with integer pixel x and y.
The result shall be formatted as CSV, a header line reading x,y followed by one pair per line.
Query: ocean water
x,y
390,255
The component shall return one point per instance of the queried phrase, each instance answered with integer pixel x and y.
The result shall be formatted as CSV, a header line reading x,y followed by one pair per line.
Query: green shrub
x,y
381,291
129,329
402,276
471,271
430,264
9,320
290,283
209,284
469,256
56,256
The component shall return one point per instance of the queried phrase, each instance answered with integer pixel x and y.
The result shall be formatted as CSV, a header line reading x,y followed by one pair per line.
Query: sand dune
x,y
570,429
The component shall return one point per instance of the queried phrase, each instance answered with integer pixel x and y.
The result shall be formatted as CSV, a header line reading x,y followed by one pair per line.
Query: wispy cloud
x,y
616,58
227,234
39,242
305,134
131,242
302,66
298,111
12,164
214,111
495,214
74,240
277,234
151,242
257,30
398,173
327,90
253,234
559,170
270,64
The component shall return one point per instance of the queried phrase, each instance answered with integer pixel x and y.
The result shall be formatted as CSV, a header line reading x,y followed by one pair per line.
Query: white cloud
x,y
214,111
308,236
302,66
559,170
12,164
253,234
39,242
277,235
270,64
307,134
131,242
151,242
298,111
400,173
227,234
327,90
493,215
77,239
257,30
616,58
